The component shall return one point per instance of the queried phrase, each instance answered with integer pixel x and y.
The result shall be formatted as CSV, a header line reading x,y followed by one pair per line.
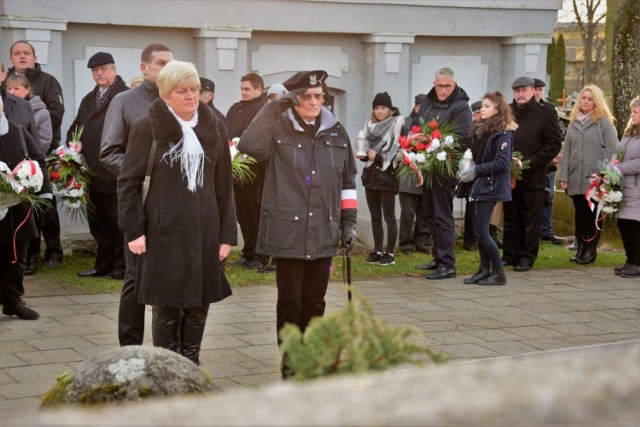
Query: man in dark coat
x,y
103,213
247,194
123,111
17,225
309,195
208,94
538,139
445,103
23,57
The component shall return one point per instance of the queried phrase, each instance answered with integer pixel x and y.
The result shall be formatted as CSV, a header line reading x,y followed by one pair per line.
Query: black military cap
x,y
100,58
305,80
538,83
206,84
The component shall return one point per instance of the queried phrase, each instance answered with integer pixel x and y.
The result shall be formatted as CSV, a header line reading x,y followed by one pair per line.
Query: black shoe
x,y
373,257
483,273
506,263
469,246
423,249
242,261
429,266
20,310
588,256
553,239
387,259
32,266
617,270
91,273
269,268
496,279
52,262
633,271
442,273
406,251
116,275
522,266
254,263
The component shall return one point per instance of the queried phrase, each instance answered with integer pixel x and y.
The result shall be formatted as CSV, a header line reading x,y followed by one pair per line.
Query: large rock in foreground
x,y
128,373
587,386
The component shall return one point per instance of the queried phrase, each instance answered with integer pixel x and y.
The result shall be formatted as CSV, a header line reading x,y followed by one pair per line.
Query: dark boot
x,y
483,273
191,331
32,265
496,279
165,326
590,253
581,248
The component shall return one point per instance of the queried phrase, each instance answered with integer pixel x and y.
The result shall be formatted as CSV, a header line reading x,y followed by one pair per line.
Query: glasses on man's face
x,y
308,96
444,87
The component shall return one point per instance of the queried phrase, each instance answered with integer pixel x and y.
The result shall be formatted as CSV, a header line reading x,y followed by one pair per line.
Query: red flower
x,y
78,185
406,160
54,176
420,146
436,134
416,129
404,142
433,124
230,143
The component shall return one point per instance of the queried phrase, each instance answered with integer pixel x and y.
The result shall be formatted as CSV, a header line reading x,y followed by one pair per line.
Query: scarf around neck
x,y
188,151
584,118
383,138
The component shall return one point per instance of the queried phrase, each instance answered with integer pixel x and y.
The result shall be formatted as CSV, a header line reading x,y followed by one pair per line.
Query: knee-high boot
x,y
165,326
191,332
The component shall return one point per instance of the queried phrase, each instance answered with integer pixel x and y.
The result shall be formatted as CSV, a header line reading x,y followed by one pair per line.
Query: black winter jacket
x,y
302,213
493,169
20,112
92,119
538,138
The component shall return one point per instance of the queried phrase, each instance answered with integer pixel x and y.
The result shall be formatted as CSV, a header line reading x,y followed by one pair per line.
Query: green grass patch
x,y
550,256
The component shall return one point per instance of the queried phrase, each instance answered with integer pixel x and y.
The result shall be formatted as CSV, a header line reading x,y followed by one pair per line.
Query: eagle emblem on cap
x,y
313,80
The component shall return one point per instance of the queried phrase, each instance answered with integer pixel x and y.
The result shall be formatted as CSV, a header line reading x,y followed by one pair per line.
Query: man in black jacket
x,y
538,139
23,57
445,103
248,194
103,214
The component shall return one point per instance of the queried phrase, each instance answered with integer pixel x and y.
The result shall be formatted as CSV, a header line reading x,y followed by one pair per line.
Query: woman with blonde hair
x,y
591,140
629,215
186,226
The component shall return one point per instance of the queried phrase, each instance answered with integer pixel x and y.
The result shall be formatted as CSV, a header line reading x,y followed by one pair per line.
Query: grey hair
x,y
445,72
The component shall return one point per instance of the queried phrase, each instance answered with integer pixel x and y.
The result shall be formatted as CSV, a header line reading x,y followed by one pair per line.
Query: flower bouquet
x,y
605,189
19,184
240,163
428,151
70,178
518,164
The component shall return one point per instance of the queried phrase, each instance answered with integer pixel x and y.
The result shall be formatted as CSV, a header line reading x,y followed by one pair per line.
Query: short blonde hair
x,y
177,73
600,107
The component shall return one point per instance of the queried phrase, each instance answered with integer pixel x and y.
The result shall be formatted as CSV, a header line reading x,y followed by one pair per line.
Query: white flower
x,y
233,150
609,209
615,196
435,143
411,156
72,204
28,173
4,168
419,157
235,141
431,149
448,140
442,156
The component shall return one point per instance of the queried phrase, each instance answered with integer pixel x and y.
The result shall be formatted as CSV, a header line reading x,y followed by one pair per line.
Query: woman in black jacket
x,y
492,148
378,176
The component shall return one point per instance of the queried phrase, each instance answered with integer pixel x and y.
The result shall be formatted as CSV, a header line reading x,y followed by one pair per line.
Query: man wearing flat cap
x,y
103,218
538,139
309,205
207,95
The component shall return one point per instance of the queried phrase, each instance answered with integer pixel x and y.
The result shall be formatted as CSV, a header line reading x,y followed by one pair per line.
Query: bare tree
x,y
589,14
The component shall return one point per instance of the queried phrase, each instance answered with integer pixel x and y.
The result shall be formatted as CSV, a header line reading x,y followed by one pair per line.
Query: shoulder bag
x,y
146,184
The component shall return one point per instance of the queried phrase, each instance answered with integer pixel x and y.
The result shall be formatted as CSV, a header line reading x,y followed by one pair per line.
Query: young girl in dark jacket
x,y
492,148
378,176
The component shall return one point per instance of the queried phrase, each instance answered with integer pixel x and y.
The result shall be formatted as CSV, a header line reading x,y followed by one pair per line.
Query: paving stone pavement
x,y
538,310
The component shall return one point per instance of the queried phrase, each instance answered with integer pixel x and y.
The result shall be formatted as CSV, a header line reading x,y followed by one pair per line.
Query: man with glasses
x,y
445,103
309,198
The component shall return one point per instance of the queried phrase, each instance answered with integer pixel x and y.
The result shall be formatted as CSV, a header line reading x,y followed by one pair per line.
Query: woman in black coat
x,y
187,225
17,225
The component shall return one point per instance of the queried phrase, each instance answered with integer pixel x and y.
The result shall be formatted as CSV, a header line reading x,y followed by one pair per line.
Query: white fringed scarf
x,y
189,152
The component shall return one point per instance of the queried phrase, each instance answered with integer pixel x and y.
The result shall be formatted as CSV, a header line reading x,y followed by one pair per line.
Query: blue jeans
x,y
489,253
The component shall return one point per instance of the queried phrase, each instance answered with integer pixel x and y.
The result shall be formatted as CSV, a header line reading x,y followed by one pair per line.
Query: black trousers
x,y
383,203
630,234
12,274
48,224
585,222
438,212
522,219
103,224
248,214
411,211
130,312
302,286
469,236
489,252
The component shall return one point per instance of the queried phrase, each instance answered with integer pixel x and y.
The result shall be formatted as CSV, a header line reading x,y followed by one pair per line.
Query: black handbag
x,y
462,190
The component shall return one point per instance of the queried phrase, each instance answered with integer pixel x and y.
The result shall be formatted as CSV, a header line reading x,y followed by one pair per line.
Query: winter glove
x,y
288,100
468,175
349,238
